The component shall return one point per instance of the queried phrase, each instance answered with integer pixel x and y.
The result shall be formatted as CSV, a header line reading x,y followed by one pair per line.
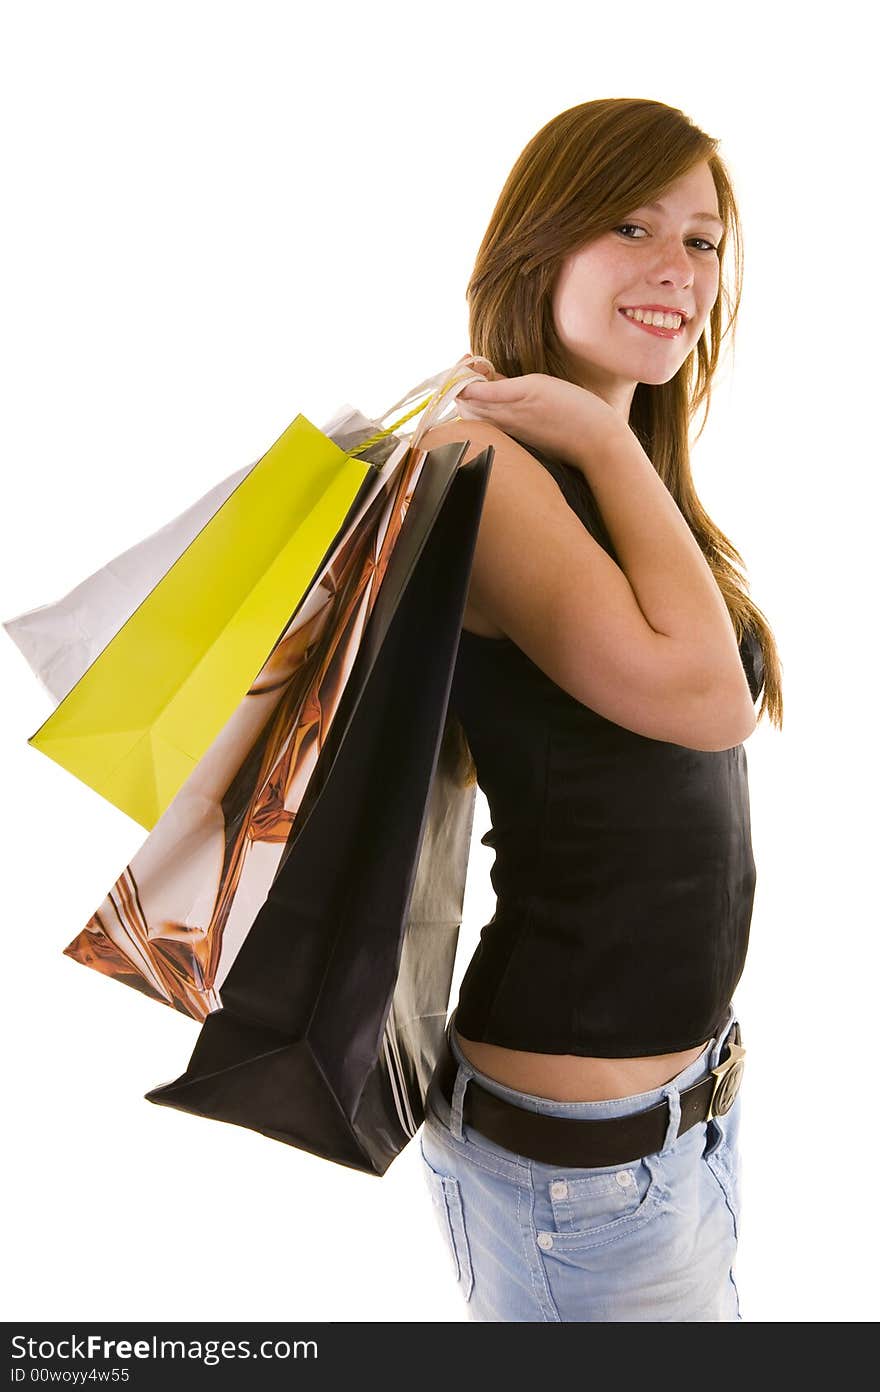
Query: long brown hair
x,y
579,176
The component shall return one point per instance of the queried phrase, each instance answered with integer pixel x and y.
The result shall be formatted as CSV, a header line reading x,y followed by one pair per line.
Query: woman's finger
x,y
498,390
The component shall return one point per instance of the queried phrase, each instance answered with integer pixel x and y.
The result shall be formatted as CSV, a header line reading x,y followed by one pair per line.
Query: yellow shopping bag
x,y
144,713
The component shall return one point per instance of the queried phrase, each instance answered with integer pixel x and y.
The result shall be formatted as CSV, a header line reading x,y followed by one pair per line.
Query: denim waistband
x,y
607,1107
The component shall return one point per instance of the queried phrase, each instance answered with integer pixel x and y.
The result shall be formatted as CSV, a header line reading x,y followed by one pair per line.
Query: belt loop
x,y
723,1029
673,1097
463,1075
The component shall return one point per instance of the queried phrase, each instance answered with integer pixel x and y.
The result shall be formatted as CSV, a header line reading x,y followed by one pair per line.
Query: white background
x,y
217,216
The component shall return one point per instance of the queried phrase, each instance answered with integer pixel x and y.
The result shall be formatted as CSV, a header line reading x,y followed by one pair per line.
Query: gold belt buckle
x,y
728,1076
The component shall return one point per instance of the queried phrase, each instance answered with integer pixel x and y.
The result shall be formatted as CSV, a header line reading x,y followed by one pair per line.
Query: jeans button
x,y
545,1240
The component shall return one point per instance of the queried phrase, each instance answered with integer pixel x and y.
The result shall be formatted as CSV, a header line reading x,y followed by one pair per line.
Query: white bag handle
x,y
444,388
452,381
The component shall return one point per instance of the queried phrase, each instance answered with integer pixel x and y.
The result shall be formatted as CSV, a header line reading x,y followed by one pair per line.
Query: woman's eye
x,y
709,246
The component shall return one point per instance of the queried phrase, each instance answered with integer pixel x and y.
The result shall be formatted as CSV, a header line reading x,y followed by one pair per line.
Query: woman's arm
x,y
670,577
670,582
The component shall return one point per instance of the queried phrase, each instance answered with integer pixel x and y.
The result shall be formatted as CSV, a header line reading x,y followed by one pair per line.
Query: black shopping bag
x,y
334,1010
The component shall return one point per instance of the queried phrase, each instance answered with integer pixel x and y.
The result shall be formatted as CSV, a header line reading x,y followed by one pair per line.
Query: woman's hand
x,y
554,415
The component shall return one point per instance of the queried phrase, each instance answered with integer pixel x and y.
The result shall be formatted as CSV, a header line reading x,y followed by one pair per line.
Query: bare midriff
x,y
567,1077
574,1077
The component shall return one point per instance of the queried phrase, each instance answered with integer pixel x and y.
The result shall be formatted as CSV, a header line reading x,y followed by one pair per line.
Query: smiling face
x,y
658,256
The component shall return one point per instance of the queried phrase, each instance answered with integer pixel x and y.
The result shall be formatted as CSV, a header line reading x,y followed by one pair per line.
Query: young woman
x,y
581,1132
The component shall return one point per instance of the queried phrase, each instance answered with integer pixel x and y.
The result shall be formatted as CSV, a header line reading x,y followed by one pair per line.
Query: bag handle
x,y
446,385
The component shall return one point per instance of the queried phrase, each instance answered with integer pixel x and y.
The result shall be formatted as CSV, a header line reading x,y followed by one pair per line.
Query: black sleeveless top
x,y
623,865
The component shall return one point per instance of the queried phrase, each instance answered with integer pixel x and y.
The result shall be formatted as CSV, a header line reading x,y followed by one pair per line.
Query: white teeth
x,y
654,316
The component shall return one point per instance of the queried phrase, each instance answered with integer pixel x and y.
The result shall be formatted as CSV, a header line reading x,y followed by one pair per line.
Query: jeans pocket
x,y
445,1193
590,1207
721,1157
722,1164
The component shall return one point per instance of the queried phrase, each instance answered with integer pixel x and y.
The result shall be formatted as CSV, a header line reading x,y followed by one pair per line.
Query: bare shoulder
x,y
481,433
514,472
521,472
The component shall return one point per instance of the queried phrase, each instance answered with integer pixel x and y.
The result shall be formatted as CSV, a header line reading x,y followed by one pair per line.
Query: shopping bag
x,y
140,718
174,920
332,1014
60,641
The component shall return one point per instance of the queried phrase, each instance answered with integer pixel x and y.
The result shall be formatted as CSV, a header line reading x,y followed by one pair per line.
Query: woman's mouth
x,y
654,328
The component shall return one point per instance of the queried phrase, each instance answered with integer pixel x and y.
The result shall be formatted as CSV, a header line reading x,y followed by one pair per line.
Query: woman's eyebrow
x,y
710,217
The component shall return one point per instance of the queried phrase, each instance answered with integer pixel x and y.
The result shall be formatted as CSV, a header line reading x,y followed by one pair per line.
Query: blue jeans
x,y
651,1239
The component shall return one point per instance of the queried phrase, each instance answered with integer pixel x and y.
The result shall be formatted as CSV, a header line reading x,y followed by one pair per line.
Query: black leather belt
x,y
581,1141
